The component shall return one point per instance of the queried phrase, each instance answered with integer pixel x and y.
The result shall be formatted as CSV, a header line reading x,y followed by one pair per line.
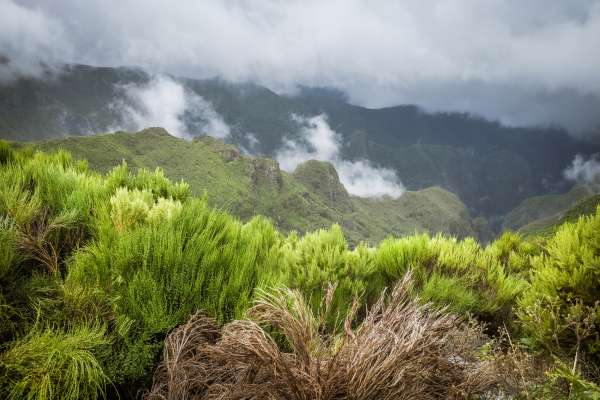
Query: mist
x,y
319,142
522,63
166,103
584,170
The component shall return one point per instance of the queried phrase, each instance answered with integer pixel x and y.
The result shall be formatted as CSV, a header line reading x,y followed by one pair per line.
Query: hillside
x,y
310,198
549,225
539,212
491,167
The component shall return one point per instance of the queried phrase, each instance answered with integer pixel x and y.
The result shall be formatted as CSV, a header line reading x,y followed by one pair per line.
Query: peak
x,y
322,177
316,166
154,131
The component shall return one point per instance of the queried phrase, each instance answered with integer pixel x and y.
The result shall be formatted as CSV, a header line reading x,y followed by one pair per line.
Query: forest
x,y
125,285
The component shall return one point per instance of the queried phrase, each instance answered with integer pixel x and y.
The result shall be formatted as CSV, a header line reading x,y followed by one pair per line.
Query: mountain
x,y
491,167
541,213
310,198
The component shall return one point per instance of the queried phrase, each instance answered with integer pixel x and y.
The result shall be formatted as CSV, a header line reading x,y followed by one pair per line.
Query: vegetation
x,y
549,226
400,350
98,269
248,186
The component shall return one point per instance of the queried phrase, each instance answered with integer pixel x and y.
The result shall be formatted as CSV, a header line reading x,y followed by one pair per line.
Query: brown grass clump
x,y
401,350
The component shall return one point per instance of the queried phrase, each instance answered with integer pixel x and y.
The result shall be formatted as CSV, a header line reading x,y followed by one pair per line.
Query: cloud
x,y
584,170
30,41
166,103
508,59
320,142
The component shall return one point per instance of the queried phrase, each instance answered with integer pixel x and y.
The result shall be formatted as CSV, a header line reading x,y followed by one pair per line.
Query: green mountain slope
x,y
491,167
310,198
537,214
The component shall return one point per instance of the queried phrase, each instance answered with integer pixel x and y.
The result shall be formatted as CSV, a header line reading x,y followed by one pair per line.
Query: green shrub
x,y
158,274
154,182
163,211
6,153
322,258
443,290
130,208
396,256
51,364
561,310
134,252
9,255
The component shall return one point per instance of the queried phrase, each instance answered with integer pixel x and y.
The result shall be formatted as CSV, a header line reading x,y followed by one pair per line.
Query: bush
x,y
6,153
135,253
129,209
316,261
51,364
561,309
9,255
159,274
154,182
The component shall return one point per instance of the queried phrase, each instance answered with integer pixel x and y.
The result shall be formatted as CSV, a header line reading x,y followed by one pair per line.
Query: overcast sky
x,y
520,61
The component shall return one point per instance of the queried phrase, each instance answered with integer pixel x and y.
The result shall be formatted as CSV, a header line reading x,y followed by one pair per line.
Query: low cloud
x,y
533,62
584,170
319,142
30,42
166,103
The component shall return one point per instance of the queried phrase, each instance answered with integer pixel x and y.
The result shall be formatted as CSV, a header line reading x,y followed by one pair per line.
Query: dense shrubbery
x,y
561,308
96,270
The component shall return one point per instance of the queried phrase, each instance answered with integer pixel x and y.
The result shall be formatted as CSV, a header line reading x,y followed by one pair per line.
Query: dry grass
x,y
401,350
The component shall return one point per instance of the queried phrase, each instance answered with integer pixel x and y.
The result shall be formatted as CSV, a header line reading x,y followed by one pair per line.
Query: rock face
x,y
265,173
322,178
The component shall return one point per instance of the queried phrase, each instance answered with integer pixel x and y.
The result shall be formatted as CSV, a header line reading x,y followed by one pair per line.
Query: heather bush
x,y
53,365
560,310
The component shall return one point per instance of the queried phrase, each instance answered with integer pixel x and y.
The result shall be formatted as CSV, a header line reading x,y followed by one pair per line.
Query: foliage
x,y
8,247
6,153
246,186
97,269
561,309
51,364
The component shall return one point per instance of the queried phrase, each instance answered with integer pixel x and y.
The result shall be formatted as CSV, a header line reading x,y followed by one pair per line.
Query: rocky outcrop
x,y
322,178
265,174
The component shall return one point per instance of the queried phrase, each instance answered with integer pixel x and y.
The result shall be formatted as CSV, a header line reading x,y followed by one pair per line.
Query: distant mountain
x,y
310,198
539,213
492,168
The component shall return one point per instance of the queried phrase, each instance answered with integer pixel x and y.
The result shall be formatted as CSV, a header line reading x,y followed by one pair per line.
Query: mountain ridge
x,y
248,186
492,168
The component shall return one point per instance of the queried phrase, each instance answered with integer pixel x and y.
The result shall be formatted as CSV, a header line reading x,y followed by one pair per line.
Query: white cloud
x,y
584,170
496,58
166,103
29,38
320,142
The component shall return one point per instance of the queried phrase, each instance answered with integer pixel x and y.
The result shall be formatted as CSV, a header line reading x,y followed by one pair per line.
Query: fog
x,y
166,103
522,63
584,170
317,141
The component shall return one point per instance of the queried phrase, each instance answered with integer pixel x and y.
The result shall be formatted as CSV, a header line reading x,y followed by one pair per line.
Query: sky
x,y
521,62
